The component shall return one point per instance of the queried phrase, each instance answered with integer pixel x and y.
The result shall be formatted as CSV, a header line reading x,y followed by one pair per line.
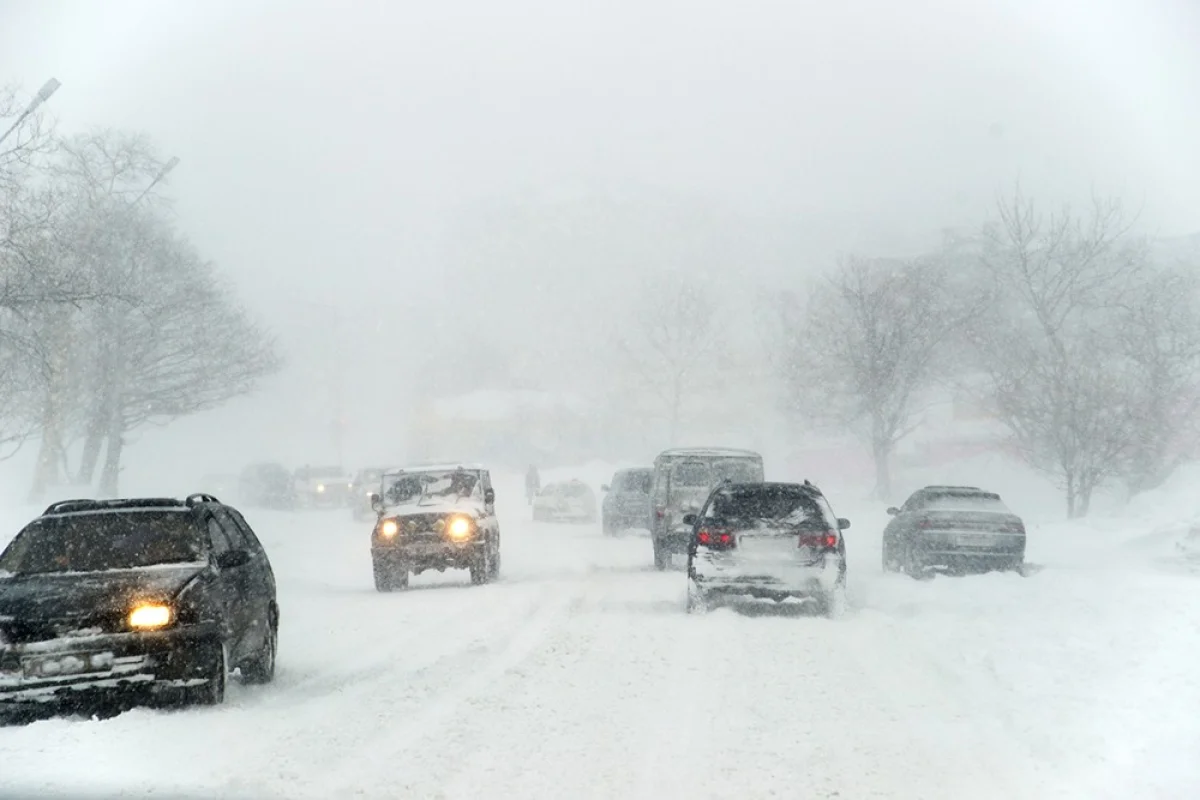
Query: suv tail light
x,y
819,541
716,538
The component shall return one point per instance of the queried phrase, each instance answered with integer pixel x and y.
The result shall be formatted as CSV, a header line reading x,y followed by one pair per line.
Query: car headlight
x,y
151,616
320,488
389,528
459,528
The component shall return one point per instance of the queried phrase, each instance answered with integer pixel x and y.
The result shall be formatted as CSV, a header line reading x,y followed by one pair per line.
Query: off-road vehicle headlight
x,y
459,528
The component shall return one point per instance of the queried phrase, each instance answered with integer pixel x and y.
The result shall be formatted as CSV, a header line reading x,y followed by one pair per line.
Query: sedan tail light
x,y
716,538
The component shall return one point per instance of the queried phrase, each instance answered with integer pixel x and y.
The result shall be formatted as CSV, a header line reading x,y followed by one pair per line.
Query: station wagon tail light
x,y
716,538
150,616
389,528
821,541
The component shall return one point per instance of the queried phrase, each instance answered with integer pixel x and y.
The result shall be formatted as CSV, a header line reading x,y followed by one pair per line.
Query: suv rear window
x,y
768,504
691,473
109,540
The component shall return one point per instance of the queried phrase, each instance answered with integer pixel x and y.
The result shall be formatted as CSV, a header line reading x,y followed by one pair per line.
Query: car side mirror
x,y
689,519
605,488
489,496
893,511
376,503
232,559
843,523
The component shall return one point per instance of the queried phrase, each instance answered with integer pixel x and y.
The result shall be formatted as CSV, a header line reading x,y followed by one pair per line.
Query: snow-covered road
x,y
579,675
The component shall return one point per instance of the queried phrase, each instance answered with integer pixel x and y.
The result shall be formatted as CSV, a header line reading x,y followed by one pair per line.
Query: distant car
x,y
565,501
103,602
953,528
683,479
627,501
266,485
366,483
435,517
767,540
322,487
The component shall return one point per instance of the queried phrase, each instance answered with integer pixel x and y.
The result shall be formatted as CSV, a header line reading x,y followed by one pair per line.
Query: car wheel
x,y
890,564
389,575
481,569
212,664
261,667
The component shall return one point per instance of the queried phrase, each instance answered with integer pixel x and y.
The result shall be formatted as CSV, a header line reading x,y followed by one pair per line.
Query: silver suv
x,y
683,479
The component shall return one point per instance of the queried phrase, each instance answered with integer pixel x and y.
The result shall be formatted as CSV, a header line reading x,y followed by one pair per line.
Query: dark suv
x,y
953,529
774,541
104,602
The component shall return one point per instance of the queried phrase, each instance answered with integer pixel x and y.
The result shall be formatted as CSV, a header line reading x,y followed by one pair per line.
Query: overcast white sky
x,y
329,149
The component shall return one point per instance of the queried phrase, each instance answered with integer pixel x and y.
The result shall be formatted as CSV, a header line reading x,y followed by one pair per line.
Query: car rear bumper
x,y
722,574
106,665
968,549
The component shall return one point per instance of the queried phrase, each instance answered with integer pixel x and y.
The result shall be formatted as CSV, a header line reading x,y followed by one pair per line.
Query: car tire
x,y
260,668
890,564
389,575
494,571
213,665
481,569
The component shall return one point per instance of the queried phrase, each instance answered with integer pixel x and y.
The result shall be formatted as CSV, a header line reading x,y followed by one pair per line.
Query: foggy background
x,y
421,200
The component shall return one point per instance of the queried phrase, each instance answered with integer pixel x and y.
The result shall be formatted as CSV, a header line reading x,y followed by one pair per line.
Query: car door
x,y
260,579
232,585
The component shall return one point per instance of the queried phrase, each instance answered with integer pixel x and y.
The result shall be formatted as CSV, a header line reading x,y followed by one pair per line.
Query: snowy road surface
x,y
579,675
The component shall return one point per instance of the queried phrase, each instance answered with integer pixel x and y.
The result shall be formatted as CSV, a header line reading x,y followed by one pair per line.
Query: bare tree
x,y
865,348
1051,345
1158,322
671,341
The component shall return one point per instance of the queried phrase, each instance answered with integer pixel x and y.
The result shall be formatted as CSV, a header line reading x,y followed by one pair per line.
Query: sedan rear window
x,y
965,501
98,542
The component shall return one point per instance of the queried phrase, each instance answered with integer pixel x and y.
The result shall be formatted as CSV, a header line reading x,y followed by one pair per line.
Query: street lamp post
x,y
48,88
162,173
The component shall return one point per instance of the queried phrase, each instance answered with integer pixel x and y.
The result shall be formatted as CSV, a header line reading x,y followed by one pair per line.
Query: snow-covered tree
x,y
864,347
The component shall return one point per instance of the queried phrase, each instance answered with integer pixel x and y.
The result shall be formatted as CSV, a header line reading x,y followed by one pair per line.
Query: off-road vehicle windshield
x,y
413,487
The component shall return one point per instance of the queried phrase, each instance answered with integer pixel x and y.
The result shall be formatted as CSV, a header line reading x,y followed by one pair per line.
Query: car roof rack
x,y
92,504
960,488
200,497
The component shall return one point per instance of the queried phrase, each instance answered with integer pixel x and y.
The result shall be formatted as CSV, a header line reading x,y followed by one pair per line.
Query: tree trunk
x,y
46,472
1071,494
881,450
110,475
92,445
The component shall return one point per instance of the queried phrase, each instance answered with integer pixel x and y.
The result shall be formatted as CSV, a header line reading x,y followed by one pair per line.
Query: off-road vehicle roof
x,y
707,452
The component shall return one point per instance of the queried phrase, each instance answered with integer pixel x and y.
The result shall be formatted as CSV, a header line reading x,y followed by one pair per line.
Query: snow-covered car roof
x,y
708,452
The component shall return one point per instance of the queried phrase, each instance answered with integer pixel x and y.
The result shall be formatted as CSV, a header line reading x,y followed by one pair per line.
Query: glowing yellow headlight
x,y
320,488
389,528
459,528
150,616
